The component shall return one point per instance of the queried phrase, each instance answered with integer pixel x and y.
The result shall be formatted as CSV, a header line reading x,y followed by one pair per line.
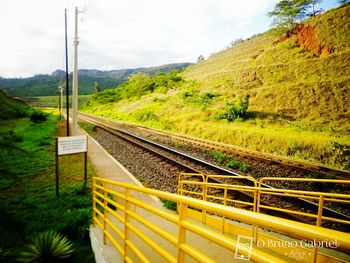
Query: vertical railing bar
x,y
105,194
126,221
318,223
258,209
225,204
205,192
93,201
255,227
181,232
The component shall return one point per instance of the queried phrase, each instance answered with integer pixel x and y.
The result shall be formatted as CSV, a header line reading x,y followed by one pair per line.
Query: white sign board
x,y
72,144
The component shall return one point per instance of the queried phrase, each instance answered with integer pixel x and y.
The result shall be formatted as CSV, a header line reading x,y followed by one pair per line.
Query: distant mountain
x,y
123,74
47,85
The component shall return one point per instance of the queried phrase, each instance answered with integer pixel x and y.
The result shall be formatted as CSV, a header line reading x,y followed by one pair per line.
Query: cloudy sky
x,y
117,34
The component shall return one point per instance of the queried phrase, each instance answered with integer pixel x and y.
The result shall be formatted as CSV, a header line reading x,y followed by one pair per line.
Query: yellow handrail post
x,y
225,203
320,210
255,205
181,233
258,209
93,201
318,223
126,222
179,185
105,195
179,189
205,192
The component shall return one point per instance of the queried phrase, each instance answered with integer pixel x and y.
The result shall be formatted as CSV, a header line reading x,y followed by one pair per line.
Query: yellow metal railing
x,y
319,198
257,191
132,225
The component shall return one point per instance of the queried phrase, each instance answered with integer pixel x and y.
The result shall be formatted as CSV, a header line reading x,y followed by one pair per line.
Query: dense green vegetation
x,y
11,108
228,161
139,85
287,13
47,85
28,204
297,99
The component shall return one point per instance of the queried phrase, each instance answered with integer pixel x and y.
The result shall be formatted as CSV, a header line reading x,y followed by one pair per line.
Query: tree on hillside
x,y
313,4
97,88
200,58
287,13
344,2
236,42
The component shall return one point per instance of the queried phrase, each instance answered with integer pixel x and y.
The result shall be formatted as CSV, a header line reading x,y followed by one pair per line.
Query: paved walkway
x,y
107,167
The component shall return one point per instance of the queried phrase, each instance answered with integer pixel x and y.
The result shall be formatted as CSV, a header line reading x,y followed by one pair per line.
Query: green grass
x,y
285,79
228,161
169,204
27,180
298,103
295,139
10,108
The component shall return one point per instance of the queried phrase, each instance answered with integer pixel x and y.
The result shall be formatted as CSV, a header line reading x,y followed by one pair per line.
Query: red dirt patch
x,y
306,37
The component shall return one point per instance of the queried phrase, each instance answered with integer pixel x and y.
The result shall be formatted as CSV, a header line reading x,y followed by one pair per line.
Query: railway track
x,y
269,159
190,164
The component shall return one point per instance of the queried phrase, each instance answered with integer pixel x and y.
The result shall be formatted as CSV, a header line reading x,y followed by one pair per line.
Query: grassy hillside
x,y
11,108
297,86
287,78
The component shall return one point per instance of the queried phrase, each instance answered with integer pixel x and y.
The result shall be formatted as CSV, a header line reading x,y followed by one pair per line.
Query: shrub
x,y
49,246
220,157
38,116
343,153
169,204
232,164
237,110
241,166
198,99
76,223
205,99
82,189
146,115
244,167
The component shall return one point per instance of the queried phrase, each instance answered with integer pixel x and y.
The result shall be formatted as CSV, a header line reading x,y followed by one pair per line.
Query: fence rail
x,y
127,222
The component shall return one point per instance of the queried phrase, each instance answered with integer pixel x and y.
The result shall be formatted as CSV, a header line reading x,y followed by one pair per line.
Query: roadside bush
x,y
169,204
226,160
198,99
237,110
232,164
38,116
244,167
343,153
76,223
220,157
146,115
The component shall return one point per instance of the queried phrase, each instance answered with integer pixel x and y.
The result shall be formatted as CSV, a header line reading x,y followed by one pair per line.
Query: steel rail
x,y
246,153
123,134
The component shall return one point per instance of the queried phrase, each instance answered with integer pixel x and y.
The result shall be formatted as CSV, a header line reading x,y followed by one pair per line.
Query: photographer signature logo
x,y
244,247
296,248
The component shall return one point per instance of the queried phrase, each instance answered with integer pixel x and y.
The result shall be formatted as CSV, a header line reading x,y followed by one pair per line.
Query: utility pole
x,y
67,78
75,75
60,100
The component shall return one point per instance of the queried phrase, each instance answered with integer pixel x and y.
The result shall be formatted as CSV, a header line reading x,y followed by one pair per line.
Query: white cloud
x,y
118,34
